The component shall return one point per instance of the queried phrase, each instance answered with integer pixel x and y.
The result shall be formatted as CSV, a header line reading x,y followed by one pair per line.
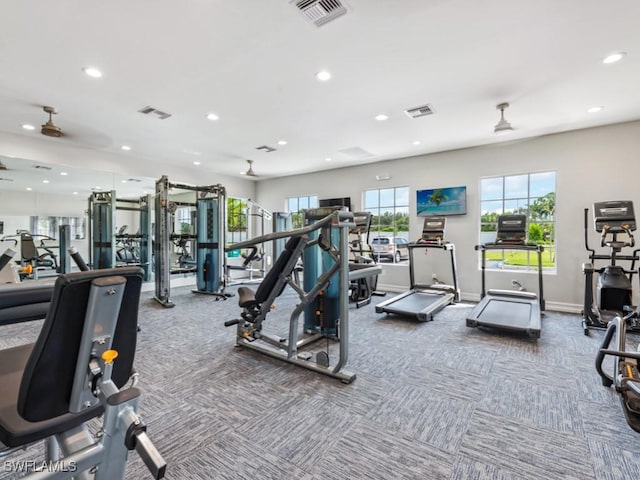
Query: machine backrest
x,y
614,216
512,229
269,281
47,380
28,250
433,230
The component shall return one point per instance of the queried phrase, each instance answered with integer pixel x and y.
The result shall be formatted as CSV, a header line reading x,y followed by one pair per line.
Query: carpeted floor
x,y
431,400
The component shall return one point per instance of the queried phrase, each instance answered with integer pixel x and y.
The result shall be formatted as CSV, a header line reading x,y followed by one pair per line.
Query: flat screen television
x,y
442,201
335,202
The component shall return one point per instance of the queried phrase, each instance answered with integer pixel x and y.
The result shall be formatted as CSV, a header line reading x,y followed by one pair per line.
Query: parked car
x,y
392,248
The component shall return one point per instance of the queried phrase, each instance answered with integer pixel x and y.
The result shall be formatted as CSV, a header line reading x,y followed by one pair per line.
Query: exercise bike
x,y
625,377
613,286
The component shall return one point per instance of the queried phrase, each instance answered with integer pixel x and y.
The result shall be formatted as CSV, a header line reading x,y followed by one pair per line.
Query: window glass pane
x,y
402,221
303,203
516,186
516,207
542,183
313,202
402,196
293,205
387,197
371,199
494,207
491,188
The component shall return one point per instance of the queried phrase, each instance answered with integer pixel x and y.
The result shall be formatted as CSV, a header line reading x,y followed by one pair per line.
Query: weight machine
x,y
108,249
209,219
323,297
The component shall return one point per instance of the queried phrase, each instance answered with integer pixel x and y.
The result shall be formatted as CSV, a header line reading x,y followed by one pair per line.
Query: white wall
x,y
592,165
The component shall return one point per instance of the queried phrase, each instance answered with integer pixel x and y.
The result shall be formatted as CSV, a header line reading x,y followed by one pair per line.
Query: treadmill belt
x,y
415,303
506,313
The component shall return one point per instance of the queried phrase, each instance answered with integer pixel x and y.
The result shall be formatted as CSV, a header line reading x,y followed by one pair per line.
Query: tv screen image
x,y
442,201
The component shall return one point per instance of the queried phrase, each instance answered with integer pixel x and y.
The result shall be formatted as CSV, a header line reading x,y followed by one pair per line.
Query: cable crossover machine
x,y
210,262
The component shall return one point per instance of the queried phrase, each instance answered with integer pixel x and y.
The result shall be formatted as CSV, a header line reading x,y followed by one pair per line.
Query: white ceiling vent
x,y
42,167
266,148
356,153
321,12
159,114
420,111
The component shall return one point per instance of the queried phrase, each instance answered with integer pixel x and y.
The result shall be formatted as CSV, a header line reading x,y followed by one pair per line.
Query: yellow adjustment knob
x,y
109,356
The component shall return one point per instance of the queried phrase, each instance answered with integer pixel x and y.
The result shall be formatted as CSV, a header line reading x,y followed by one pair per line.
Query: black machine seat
x,y
36,380
28,249
248,299
22,302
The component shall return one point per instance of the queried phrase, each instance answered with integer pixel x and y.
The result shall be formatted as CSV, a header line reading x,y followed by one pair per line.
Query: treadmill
x,y
515,311
423,301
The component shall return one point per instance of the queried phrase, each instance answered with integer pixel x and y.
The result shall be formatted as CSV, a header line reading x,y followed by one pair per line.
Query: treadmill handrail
x,y
511,246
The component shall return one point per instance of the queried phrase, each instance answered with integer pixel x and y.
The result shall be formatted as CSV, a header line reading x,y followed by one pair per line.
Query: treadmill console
x,y
614,216
512,229
433,230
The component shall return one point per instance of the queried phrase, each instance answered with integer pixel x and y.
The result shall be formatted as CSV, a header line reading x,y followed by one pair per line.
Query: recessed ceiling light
x,y
26,126
75,193
196,163
97,188
382,117
282,142
323,76
45,181
417,142
243,173
29,189
328,159
92,72
595,109
614,57
125,147
212,116
64,174
123,181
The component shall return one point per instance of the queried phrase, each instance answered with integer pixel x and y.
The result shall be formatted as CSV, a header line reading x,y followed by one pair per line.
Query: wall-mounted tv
x,y
335,202
442,201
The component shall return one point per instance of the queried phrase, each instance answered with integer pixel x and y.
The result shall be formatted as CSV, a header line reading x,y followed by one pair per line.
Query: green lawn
x,y
519,258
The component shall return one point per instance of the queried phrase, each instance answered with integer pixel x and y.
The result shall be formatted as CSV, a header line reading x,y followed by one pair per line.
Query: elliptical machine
x,y
613,286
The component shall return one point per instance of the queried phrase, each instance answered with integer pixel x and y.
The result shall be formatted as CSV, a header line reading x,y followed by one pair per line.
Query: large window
x,y
389,223
51,226
236,220
531,194
295,206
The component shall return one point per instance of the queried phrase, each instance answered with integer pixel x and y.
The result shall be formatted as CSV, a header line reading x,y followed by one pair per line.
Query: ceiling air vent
x,y
321,12
43,167
159,114
266,148
356,153
420,111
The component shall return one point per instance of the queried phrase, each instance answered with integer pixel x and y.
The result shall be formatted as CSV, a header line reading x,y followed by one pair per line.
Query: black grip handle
x,y
77,258
150,456
229,323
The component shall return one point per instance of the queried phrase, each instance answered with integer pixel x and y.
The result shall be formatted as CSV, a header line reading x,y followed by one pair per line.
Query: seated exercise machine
x,y
517,311
625,377
423,301
323,297
613,286
75,372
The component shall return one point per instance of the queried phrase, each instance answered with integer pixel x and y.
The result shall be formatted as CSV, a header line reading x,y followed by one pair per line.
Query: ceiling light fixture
x,y
595,109
323,76
613,58
328,159
45,181
382,117
64,174
282,142
417,142
502,126
125,147
29,189
196,163
212,116
75,193
26,126
92,72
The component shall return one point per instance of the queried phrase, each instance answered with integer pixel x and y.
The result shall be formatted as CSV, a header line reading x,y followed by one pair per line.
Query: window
x,y
531,194
295,205
390,210
236,220
50,226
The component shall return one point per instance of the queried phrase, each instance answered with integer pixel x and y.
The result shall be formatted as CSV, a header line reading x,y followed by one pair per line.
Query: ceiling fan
x,y
250,172
50,129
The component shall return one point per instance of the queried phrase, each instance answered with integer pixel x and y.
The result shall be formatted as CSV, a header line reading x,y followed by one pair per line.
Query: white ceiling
x,y
253,62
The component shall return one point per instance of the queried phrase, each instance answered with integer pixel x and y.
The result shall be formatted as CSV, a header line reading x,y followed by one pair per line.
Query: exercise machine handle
x,y
77,258
586,233
150,455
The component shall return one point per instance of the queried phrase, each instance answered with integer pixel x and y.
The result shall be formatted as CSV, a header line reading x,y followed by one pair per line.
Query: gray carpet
x,y
432,400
